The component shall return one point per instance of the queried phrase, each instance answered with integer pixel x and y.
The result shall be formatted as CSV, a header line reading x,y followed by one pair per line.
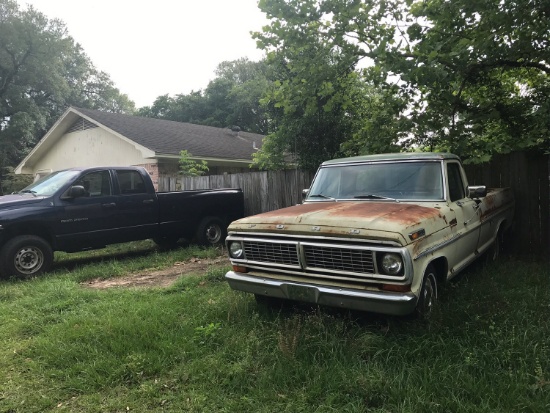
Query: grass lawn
x,y
197,346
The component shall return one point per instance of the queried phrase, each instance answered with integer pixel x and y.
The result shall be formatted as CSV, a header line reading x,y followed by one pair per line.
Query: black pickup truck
x,y
88,208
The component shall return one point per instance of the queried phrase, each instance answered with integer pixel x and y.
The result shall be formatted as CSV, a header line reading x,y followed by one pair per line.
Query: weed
x,y
289,336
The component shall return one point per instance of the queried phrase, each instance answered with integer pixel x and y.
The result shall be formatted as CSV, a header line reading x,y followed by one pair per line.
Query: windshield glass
x,y
419,181
48,185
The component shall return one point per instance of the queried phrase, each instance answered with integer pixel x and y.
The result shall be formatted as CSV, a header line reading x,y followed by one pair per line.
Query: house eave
x,y
172,157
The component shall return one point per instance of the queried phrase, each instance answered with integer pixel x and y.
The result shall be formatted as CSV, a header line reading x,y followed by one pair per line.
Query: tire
x,y
428,294
493,252
25,256
210,231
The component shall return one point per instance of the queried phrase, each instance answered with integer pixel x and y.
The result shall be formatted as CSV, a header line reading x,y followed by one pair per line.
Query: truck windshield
x,y
48,185
418,181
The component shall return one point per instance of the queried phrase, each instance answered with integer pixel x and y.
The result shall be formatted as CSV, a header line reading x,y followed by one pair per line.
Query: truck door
x,y
88,220
465,224
137,208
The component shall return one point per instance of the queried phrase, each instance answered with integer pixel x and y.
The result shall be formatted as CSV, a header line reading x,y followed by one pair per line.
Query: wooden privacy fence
x,y
263,191
525,172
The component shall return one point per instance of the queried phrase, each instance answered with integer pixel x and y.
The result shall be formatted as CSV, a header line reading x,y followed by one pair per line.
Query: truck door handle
x,y
109,205
148,201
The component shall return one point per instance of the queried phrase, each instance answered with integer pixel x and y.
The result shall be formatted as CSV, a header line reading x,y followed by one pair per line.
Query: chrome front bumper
x,y
372,301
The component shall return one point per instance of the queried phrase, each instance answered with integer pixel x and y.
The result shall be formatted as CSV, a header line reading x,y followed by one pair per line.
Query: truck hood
x,y
18,201
392,221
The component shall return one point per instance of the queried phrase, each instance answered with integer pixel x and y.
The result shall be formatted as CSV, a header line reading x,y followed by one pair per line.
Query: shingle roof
x,y
166,137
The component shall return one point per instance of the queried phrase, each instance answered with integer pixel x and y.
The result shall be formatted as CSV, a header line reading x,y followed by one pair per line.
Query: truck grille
x,y
276,253
339,259
311,256
316,258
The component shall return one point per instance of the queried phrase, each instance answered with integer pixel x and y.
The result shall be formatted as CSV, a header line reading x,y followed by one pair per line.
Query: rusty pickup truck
x,y
376,233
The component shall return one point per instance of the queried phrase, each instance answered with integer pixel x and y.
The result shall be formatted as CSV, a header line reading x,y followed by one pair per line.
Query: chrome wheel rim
x,y
28,260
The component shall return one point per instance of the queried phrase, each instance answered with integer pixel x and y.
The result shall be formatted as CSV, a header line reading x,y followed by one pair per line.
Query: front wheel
x,y
25,256
210,231
493,253
428,293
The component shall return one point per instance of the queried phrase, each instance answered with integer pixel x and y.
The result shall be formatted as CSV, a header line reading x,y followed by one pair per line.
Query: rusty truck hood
x,y
392,221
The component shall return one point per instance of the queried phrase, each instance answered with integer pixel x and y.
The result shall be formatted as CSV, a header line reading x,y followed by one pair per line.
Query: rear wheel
x,y
210,231
25,256
428,293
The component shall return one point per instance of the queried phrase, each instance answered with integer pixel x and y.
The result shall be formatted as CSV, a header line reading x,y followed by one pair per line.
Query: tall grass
x,y
198,346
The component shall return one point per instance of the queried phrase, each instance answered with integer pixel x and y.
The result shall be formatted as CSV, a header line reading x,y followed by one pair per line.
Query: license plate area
x,y
302,293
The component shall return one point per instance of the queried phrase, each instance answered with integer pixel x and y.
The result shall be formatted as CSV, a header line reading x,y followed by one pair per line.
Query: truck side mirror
x,y
477,191
75,191
304,193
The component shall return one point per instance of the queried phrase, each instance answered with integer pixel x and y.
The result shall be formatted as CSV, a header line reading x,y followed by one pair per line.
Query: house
x,y
86,137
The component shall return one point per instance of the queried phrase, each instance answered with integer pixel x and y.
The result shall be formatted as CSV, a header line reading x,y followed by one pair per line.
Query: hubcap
x,y
213,233
28,260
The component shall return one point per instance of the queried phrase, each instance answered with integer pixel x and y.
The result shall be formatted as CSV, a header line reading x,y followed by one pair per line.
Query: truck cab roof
x,y
405,156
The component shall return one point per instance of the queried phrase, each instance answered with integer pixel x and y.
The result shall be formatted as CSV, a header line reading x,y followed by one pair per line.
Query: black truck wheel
x,y
428,294
210,231
24,256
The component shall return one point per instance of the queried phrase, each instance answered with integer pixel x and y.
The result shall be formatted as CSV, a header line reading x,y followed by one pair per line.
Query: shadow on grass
x,y
71,261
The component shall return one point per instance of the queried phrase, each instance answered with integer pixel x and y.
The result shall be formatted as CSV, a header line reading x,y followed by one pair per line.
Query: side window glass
x,y
96,184
130,182
456,187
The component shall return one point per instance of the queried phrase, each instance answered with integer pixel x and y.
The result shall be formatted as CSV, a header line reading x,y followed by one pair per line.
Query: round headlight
x,y
236,249
392,264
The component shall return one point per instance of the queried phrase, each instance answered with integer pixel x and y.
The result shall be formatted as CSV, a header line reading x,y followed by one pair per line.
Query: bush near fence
x,y
527,173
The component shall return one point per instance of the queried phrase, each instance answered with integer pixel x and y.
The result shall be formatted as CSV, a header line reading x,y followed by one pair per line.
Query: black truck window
x,y
130,182
456,187
96,184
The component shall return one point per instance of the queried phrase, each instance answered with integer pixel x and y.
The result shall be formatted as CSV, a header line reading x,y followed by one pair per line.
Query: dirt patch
x,y
160,278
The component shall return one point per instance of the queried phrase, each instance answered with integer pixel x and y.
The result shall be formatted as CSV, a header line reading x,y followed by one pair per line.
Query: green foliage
x,y
189,167
67,347
231,99
467,77
12,182
42,72
321,107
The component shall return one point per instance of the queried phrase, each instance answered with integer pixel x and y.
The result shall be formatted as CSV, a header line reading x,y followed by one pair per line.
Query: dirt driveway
x,y
161,278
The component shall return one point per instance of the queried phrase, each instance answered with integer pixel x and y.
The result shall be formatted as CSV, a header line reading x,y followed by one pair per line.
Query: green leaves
x,y
42,72
469,77
190,167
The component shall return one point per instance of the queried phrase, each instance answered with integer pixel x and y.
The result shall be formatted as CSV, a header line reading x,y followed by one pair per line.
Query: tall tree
x,y
42,72
231,99
321,106
473,75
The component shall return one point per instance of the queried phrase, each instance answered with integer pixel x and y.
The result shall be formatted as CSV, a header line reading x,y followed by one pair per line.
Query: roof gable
x,y
165,137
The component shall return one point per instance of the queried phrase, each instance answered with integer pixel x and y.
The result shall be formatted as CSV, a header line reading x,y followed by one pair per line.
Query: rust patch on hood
x,y
397,213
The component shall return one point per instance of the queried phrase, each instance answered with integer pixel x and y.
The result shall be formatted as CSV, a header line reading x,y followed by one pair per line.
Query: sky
x,y
152,48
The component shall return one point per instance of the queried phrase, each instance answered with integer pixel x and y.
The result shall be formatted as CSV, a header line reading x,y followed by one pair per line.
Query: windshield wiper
x,y
28,191
374,196
322,196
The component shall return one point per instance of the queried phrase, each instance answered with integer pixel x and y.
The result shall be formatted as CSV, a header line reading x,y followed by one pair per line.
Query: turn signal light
x,y
239,268
396,288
